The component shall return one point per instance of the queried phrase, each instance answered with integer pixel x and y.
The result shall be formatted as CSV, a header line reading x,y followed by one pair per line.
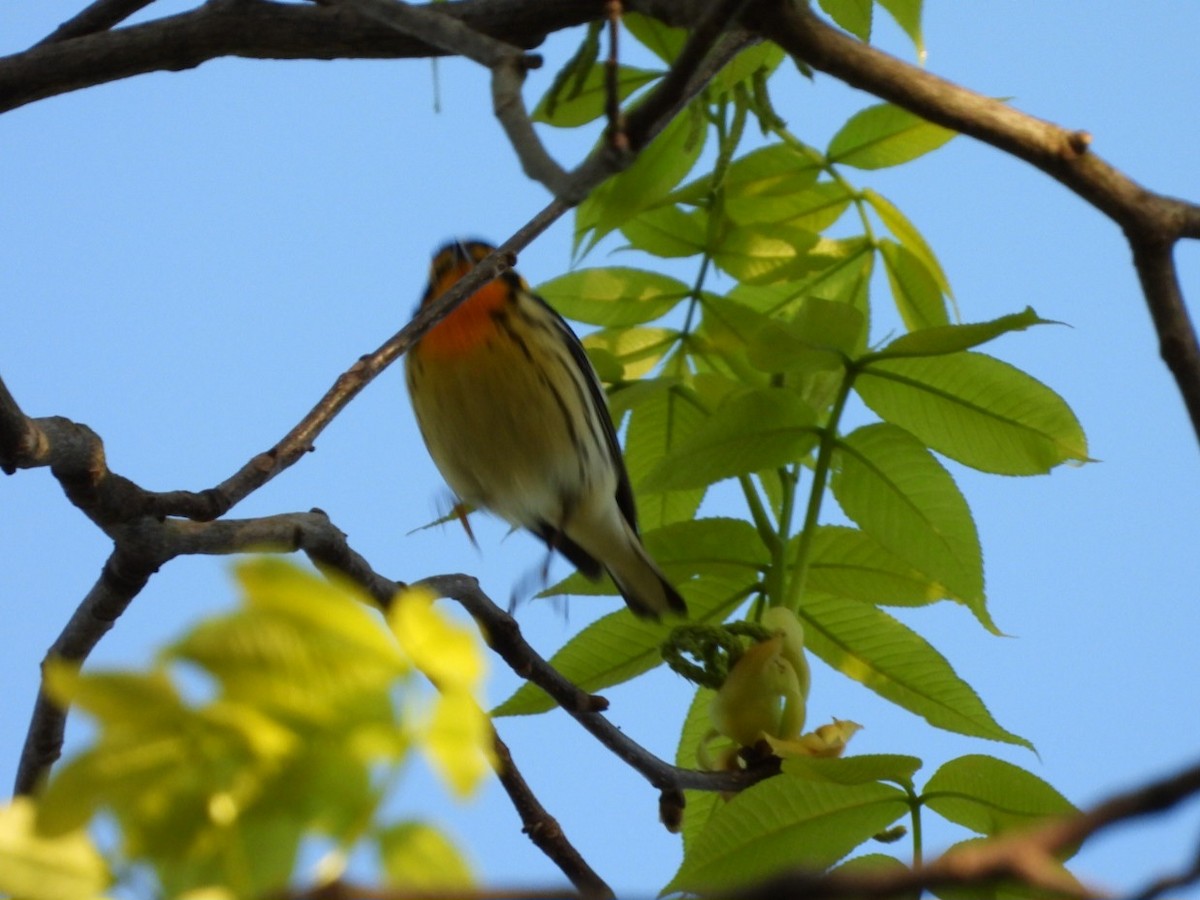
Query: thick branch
x,y
99,16
75,455
260,29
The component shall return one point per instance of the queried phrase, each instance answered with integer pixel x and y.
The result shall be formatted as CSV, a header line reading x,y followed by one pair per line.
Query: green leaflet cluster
x,y
751,384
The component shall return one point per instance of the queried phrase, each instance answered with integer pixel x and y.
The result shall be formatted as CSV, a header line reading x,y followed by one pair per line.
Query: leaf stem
x,y
817,492
914,807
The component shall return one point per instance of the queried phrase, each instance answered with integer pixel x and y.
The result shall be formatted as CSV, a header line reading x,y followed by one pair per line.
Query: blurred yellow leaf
x,y
36,867
458,741
420,857
448,653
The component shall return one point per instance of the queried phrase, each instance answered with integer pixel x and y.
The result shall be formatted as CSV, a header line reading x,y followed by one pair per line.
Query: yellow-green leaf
x,y
657,169
418,857
784,824
755,430
991,796
853,15
918,298
36,867
977,410
458,741
450,654
850,563
762,254
870,646
613,296
661,39
577,106
885,135
636,350
939,340
908,235
907,14
668,231
894,489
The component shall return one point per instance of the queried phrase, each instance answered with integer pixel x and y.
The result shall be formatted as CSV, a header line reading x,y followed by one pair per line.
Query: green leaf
x,y
866,644
668,231
863,769
35,866
767,178
618,647
825,329
915,291
873,864
853,15
758,429
700,806
613,296
846,274
721,345
729,550
664,417
977,410
850,563
650,178
815,208
635,350
907,14
763,254
578,106
885,135
784,823
990,796
894,489
908,235
420,858
764,57
662,40
942,339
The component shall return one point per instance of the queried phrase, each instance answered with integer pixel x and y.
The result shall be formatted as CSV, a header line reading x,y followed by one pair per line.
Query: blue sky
x,y
190,259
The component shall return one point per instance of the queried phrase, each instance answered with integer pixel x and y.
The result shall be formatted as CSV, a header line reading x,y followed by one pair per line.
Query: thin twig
x,y
543,829
508,104
617,139
121,579
504,637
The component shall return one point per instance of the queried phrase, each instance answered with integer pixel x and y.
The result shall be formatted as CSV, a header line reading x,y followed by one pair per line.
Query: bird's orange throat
x,y
471,323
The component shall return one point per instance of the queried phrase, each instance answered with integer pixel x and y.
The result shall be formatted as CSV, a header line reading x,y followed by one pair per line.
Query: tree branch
x,y
261,29
98,16
544,830
504,636
123,576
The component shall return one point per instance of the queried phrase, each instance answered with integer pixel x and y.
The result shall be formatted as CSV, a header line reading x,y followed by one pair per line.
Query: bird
x,y
516,421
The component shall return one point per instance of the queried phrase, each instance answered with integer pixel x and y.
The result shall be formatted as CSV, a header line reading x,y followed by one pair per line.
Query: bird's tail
x,y
641,582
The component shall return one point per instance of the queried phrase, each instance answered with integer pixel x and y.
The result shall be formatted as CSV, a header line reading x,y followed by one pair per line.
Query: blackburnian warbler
x,y
516,420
